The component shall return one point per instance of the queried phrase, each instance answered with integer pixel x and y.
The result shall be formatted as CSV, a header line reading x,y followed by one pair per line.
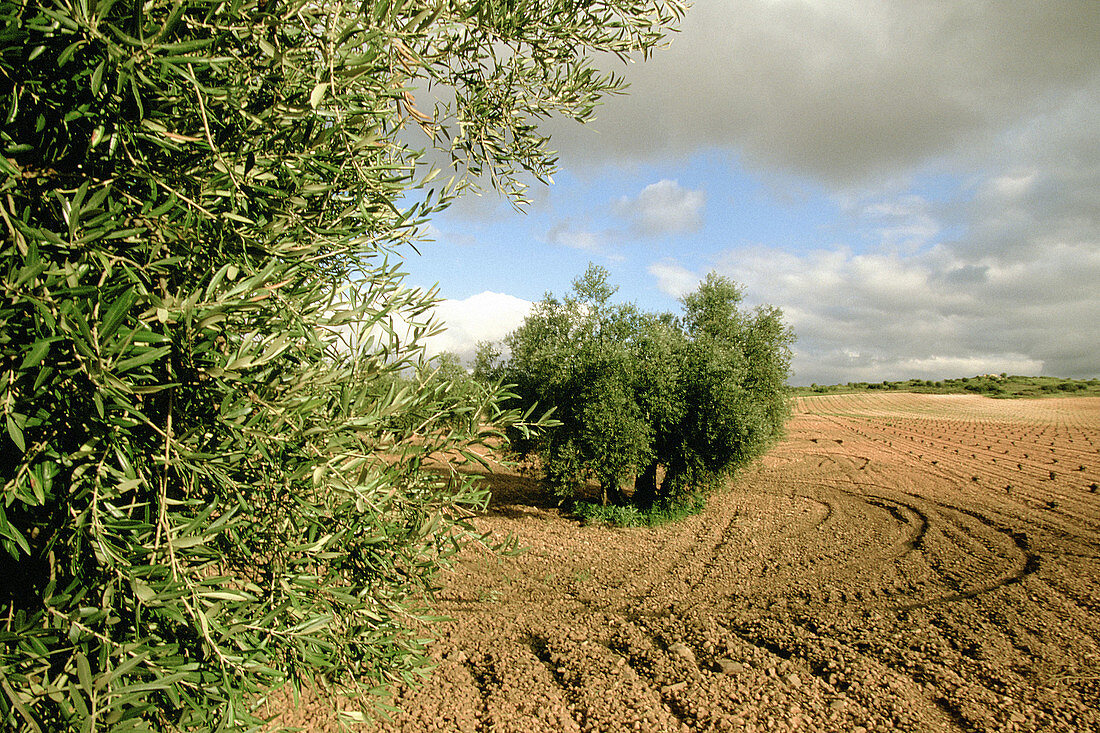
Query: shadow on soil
x,y
517,495
514,496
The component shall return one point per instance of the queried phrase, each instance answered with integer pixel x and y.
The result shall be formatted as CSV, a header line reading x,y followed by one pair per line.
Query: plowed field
x,y
899,562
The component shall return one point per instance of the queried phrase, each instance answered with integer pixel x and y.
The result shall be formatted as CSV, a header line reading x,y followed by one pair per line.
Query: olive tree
x,y
676,404
209,482
733,370
571,355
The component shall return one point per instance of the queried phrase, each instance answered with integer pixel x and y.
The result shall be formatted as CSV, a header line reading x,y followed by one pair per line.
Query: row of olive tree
x,y
210,476
672,404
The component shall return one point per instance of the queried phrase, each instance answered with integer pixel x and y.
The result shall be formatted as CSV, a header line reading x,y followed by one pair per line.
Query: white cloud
x,y
905,222
876,316
1012,186
673,279
935,367
486,316
565,235
664,207
435,234
602,242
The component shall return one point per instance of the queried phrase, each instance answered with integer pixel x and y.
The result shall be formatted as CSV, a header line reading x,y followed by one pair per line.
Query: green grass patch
x,y
631,516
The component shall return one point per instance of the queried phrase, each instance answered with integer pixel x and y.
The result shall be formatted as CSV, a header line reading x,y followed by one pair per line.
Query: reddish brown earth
x,y
899,562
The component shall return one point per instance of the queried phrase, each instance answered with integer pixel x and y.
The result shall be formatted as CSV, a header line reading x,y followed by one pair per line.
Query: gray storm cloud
x,y
846,91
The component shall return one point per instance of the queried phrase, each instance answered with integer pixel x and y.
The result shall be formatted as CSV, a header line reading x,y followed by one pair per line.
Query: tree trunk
x,y
611,493
645,487
673,474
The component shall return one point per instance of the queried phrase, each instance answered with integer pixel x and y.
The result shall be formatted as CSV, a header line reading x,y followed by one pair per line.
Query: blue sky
x,y
916,185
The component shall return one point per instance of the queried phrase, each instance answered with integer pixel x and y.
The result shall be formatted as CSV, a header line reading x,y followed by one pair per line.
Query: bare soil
x,y
899,562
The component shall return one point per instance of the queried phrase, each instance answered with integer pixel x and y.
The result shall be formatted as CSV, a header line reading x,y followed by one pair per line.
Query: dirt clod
x,y
683,651
729,666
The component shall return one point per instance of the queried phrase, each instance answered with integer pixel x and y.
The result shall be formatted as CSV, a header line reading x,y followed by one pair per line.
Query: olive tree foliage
x,y
643,397
733,372
571,355
210,481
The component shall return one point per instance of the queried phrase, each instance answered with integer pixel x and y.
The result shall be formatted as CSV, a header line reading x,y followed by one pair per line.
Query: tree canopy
x,y
213,480
642,396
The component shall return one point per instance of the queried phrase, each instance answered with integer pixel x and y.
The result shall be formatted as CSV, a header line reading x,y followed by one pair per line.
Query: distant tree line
x,y
993,385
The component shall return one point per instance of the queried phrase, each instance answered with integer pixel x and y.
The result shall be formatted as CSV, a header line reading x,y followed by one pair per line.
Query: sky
x,y
916,185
